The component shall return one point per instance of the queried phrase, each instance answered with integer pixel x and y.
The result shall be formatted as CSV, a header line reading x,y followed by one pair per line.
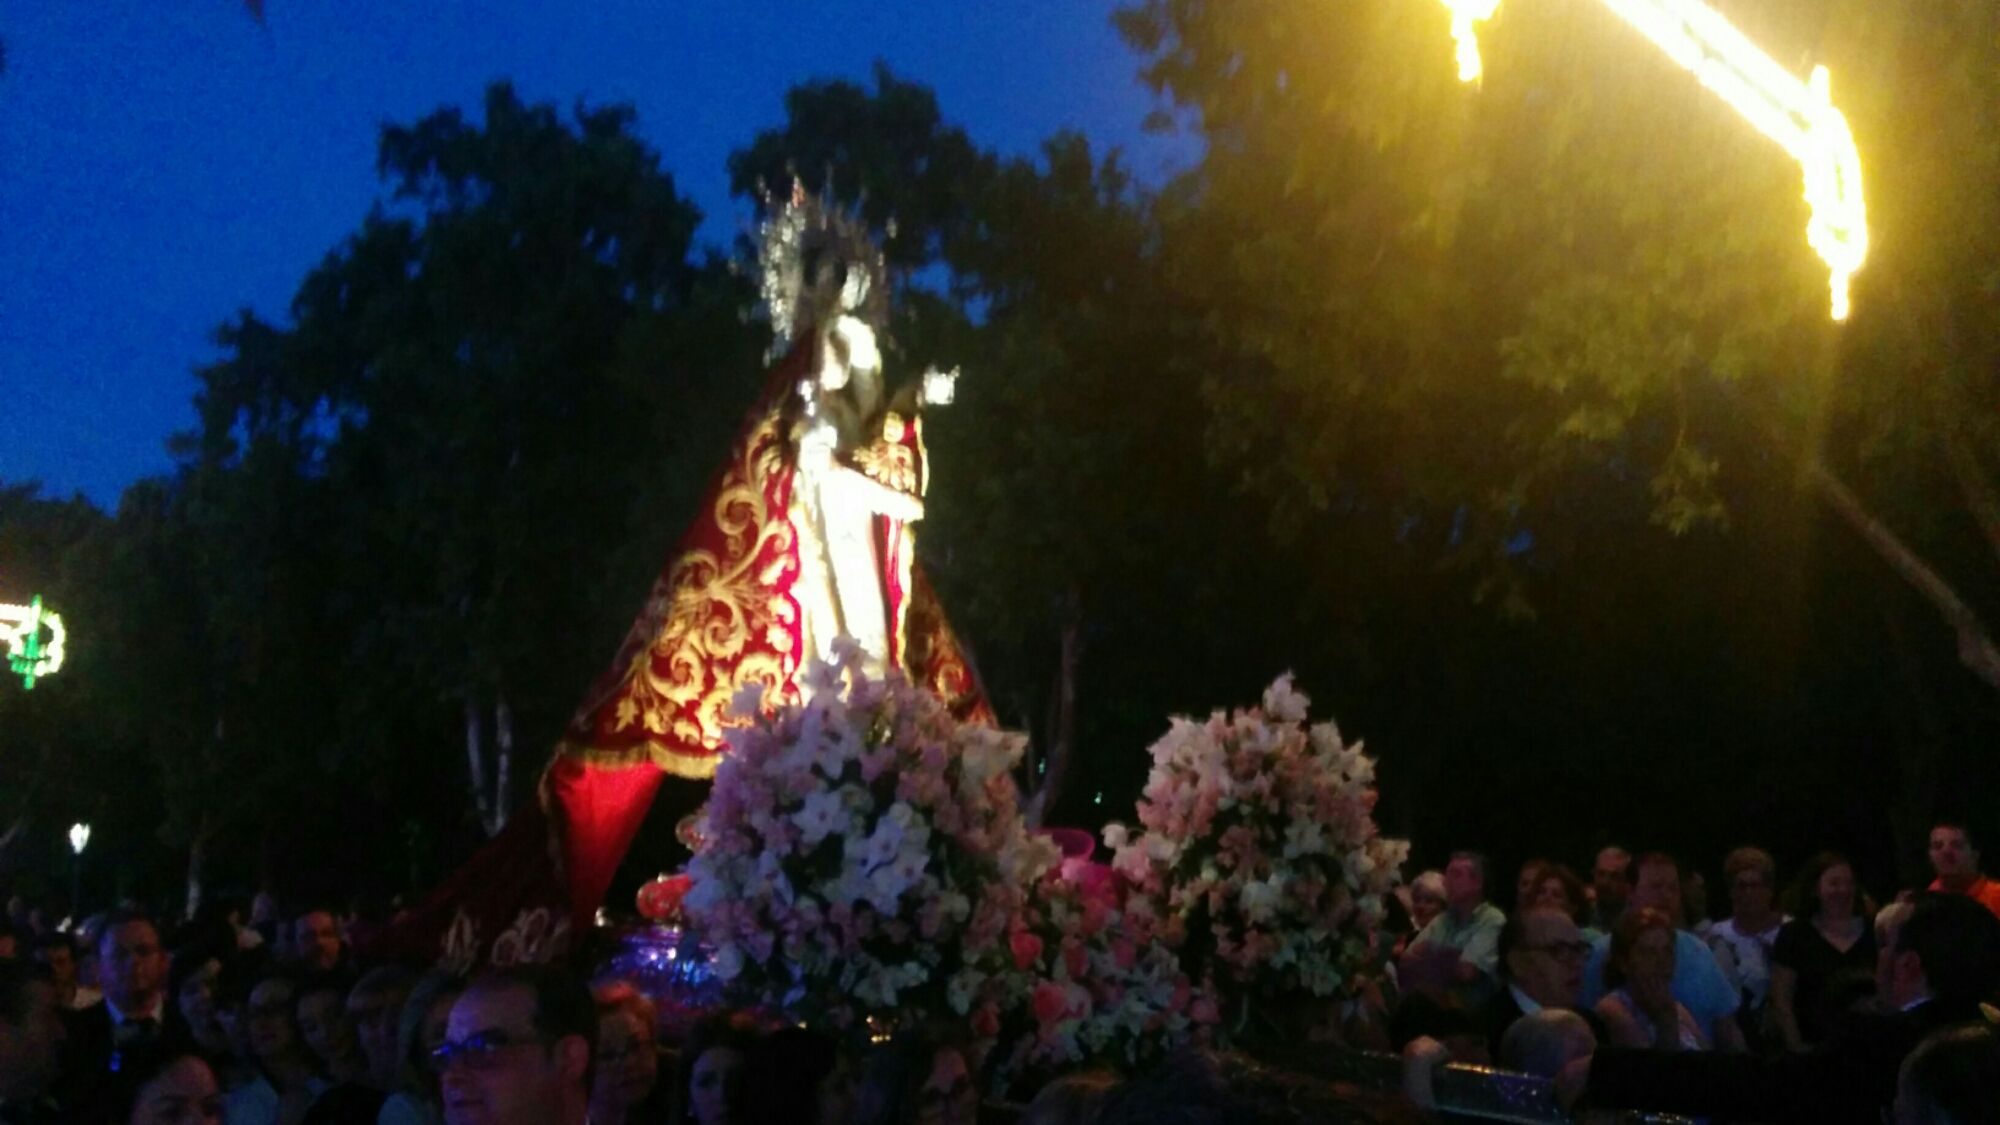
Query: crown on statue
x,y
816,262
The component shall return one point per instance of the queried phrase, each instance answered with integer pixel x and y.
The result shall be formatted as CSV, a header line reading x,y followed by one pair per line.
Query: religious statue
x,y
861,485
805,536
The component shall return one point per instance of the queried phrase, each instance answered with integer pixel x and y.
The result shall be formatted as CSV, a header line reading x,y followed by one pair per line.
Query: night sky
x,y
164,164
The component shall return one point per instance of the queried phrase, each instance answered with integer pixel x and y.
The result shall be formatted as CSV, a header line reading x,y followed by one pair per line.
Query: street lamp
x,y
79,839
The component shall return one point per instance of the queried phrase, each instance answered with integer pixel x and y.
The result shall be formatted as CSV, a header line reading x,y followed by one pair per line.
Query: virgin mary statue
x,y
806,535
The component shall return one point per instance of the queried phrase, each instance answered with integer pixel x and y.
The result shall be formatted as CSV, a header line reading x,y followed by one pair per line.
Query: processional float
x,y
806,534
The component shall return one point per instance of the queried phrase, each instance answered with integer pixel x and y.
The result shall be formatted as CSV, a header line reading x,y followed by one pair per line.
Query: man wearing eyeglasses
x,y
517,1050
1542,954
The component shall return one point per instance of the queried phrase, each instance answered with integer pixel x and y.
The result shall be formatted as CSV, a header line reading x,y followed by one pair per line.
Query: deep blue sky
x,y
164,164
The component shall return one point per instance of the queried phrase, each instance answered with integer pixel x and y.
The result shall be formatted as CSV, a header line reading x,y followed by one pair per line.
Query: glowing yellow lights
x,y
1465,14
1799,116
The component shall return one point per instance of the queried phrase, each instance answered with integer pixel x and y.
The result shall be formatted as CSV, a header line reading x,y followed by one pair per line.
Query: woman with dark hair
x,y
152,1087
708,1084
626,1079
191,982
1640,1009
798,1077
1828,933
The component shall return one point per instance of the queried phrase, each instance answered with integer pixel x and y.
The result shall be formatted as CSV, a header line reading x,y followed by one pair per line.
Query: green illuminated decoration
x,y
28,655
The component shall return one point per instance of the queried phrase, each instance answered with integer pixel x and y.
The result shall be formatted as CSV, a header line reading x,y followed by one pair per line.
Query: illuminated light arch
x,y
1799,116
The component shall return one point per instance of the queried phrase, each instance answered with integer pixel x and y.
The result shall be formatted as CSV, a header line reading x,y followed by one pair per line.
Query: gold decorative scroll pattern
x,y
723,616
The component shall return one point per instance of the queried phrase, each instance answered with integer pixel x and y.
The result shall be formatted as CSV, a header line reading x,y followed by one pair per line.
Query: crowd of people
x,y
1816,1006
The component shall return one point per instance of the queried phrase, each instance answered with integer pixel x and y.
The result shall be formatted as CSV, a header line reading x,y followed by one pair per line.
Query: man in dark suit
x,y
132,969
1935,971
1542,955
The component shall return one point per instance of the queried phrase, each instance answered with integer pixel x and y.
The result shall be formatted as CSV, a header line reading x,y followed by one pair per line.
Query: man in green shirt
x,y
1462,944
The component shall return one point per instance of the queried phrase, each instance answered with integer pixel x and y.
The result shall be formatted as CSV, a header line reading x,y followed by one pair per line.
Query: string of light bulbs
x,y
1799,115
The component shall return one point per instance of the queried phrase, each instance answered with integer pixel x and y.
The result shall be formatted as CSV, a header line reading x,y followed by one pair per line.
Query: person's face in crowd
x,y
374,1016
1659,887
30,1045
947,1096
1609,878
196,1001
1548,964
1750,893
627,1063
1952,856
1552,895
269,1016
134,965
234,1021
1524,885
323,1024
513,1078
1836,892
1464,886
1424,906
263,909
712,1086
10,947
1649,969
61,960
316,939
185,1093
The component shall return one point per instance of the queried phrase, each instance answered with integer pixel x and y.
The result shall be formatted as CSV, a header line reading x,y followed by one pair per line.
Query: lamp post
x,y
79,838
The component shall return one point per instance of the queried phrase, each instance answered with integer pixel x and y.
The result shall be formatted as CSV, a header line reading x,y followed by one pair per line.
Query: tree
x,y
469,354
1615,253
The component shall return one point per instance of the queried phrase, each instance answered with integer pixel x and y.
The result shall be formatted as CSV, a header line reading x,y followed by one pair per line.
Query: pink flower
x,y
985,1021
1096,915
1049,1003
1074,958
1124,953
1026,948
1203,1010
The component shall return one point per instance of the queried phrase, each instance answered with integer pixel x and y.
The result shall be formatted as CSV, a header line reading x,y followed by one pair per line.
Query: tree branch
x,y
1976,649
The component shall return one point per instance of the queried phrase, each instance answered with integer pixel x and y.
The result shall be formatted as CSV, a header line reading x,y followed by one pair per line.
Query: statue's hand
x,y
902,506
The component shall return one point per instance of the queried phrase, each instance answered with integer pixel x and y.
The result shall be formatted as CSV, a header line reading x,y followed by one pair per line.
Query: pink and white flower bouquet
x,y
1259,838
1108,985
863,855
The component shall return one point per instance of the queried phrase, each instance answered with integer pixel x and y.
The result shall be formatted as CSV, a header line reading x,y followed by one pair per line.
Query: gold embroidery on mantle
x,y
717,620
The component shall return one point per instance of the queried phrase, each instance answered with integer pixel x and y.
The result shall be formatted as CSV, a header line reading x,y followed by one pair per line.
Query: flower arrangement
x,y
1108,986
1260,849
863,856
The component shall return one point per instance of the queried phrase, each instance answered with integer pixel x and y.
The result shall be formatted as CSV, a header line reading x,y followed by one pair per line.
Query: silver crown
x,y
815,262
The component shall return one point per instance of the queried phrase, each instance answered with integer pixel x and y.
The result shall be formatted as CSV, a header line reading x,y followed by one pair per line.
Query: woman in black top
x,y
1828,934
